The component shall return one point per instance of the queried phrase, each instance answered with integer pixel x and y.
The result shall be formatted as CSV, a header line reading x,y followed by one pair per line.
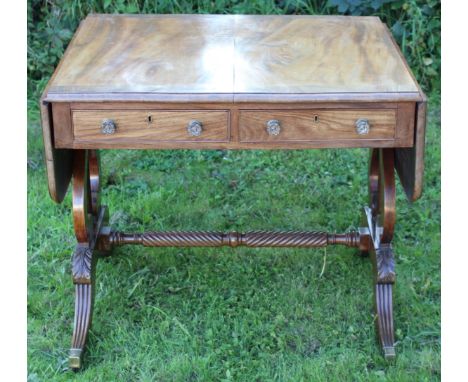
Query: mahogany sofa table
x,y
232,82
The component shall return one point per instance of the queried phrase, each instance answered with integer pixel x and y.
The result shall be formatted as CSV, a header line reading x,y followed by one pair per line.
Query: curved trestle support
x,y
88,219
93,234
381,221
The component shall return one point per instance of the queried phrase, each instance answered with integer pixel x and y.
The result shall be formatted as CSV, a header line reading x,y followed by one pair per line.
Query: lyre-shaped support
x,y
88,219
381,221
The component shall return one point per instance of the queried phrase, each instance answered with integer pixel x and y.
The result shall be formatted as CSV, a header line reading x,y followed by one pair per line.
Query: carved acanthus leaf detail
x,y
81,265
385,264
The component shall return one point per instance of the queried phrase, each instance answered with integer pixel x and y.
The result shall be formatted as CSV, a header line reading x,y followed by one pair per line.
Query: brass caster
x,y
74,359
389,353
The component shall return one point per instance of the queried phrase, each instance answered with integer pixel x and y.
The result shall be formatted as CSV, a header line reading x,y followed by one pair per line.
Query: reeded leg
x,y
83,277
384,306
380,218
383,295
88,219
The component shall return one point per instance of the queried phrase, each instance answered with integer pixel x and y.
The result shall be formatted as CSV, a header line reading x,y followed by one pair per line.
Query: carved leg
x,y
380,217
83,268
383,292
88,219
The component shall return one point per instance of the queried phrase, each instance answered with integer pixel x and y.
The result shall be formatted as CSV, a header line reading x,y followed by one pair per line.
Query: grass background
x,y
246,314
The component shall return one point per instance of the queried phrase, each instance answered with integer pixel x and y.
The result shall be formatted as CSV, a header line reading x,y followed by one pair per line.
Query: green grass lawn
x,y
209,314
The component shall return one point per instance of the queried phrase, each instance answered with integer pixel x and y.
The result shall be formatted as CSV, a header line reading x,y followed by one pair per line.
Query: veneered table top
x,y
232,57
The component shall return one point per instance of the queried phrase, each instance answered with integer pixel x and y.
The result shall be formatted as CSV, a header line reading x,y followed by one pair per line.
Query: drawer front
x,y
133,126
316,125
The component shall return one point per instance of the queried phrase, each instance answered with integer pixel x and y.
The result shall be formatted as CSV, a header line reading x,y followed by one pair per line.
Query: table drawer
x,y
147,125
316,125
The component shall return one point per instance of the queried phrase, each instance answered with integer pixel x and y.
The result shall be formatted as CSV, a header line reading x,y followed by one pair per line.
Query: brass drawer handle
x,y
108,126
273,127
195,128
362,126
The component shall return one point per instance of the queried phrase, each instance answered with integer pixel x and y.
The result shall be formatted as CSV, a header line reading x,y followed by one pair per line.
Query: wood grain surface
x,y
150,125
304,125
228,126
409,162
59,162
317,54
144,53
232,58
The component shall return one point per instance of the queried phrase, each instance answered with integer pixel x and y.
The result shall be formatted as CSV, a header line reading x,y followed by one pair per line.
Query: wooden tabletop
x,y
228,58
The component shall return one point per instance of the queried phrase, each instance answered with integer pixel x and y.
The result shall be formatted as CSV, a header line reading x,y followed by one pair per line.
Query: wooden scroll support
x,y
88,219
380,218
95,238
